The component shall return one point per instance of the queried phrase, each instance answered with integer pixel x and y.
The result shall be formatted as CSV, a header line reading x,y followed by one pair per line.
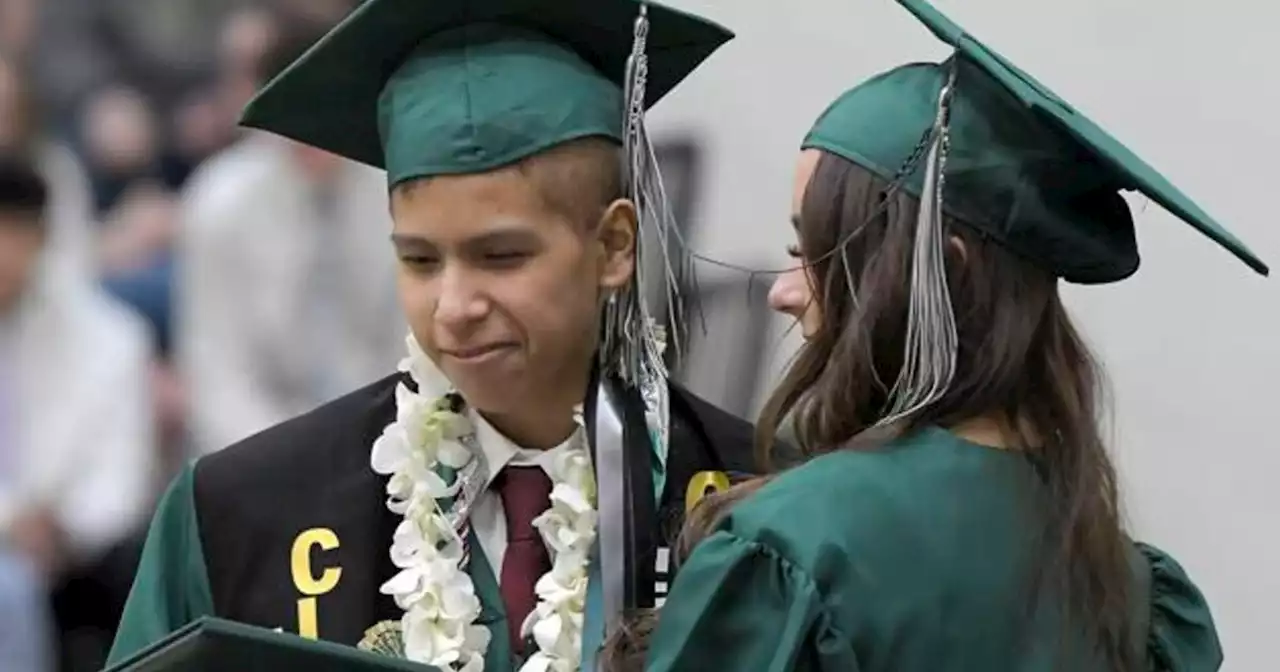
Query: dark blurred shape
x,y
197,130
23,198
22,190
149,291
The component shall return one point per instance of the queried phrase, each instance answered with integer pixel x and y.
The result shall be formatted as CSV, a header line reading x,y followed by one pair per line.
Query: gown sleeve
x,y
738,605
171,587
1181,636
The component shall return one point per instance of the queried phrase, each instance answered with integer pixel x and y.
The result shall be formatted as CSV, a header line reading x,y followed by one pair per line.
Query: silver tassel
x,y
632,347
632,343
929,360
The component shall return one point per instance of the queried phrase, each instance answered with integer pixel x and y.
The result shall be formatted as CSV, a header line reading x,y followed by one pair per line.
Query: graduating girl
x,y
958,510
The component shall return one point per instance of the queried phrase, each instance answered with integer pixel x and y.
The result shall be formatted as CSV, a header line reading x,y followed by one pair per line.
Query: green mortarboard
x,y
213,645
437,87
1022,166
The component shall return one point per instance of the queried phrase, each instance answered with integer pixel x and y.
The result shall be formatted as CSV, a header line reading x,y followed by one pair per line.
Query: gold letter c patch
x,y
304,577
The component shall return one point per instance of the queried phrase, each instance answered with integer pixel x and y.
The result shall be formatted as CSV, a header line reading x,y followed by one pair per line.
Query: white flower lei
x,y
441,606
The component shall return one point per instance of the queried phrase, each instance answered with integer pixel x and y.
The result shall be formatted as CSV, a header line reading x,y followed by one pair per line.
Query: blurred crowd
x,y
154,307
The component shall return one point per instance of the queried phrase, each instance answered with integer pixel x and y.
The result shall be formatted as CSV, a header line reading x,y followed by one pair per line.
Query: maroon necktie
x,y
526,493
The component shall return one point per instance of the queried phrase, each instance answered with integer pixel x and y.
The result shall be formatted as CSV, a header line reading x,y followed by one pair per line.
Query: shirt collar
x,y
499,451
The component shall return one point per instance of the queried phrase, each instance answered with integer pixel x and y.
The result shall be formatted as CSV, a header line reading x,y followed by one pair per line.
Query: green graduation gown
x,y
289,529
914,561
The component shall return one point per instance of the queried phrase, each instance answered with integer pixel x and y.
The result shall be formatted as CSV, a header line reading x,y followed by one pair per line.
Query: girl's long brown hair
x,y
1020,361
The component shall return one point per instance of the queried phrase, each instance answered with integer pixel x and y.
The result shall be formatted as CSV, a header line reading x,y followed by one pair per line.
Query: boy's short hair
x,y
23,190
578,179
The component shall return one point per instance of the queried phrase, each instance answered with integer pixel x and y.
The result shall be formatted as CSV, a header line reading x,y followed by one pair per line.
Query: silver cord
x,y
929,358
632,341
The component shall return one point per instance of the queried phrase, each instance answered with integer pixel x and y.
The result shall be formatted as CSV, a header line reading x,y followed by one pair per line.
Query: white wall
x,y
1192,342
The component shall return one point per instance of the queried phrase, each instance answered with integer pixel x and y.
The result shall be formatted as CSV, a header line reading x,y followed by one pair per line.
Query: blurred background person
x,y
76,443
119,139
285,297
26,641
72,230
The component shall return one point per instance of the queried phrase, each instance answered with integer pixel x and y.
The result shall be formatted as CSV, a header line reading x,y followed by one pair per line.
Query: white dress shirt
x,y
83,445
488,518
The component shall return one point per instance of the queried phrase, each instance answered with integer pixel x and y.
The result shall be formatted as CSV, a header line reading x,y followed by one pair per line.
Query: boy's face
x,y
502,290
21,242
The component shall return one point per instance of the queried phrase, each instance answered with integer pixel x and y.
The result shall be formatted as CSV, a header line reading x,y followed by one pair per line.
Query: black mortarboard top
x,y
217,645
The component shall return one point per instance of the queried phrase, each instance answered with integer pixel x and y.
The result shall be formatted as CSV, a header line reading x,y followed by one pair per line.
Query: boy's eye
x,y
417,260
506,258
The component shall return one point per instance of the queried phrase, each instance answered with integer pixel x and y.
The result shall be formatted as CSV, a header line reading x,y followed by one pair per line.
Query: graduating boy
x,y
504,497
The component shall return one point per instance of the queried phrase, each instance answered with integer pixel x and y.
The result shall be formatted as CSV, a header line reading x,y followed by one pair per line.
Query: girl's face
x,y
792,291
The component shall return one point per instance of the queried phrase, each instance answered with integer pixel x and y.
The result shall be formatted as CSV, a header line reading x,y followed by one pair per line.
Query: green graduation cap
x,y
436,87
1022,166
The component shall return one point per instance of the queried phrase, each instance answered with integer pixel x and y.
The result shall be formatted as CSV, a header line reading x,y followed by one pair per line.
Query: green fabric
x,y
1024,167
658,466
920,563
1180,636
493,611
465,86
496,95
171,588
218,644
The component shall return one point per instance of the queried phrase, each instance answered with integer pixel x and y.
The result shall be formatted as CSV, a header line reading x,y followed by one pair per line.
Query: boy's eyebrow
x,y
500,235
